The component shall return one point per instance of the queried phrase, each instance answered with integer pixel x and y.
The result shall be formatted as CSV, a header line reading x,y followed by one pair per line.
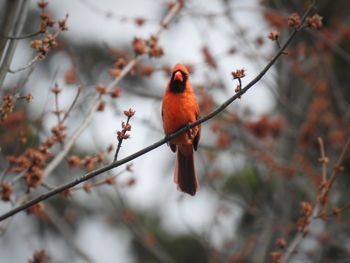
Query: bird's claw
x,y
190,131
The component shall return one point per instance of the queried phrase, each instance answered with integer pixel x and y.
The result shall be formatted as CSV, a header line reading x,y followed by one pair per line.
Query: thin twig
x,y
155,145
30,63
338,166
57,110
335,212
66,232
66,114
102,181
320,203
120,140
323,160
24,36
169,17
68,145
34,60
108,14
138,232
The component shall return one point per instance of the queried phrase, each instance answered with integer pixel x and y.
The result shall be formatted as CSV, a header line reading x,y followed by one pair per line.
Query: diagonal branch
x,y
155,145
28,65
24,36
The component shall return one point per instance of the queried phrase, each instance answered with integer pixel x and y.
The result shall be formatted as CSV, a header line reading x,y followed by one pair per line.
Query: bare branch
x,y
320,202
323,160
30,63
66,114
38,57
65,229
24,36
138,232
338,166
122,135
16,17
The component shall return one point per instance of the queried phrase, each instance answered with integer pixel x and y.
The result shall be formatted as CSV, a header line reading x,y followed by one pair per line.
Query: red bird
x,y
179,108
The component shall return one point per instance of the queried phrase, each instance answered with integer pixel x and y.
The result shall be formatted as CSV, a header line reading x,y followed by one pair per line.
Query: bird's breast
x,y
178,110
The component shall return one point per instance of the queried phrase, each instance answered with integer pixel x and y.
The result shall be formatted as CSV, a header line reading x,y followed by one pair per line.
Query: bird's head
x,y
179,78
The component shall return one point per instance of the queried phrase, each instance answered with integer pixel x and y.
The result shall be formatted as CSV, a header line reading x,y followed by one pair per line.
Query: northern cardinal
x,y
179,108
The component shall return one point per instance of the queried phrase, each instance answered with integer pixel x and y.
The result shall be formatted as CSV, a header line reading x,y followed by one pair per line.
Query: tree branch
x,y
323,160
122,135
28,65
155,145
65,229
15,22
24,36
320,203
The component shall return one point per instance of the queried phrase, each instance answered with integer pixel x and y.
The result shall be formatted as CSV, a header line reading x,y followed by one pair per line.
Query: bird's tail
x,y
185,176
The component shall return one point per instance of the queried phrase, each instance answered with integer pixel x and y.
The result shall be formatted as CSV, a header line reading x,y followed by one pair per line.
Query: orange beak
x,y
178,76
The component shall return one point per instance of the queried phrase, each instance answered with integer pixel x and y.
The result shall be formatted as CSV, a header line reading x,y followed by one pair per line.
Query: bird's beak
x,y
178,76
